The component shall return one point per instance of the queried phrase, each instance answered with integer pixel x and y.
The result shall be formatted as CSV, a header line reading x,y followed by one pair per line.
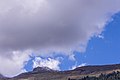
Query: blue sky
x,y
100,51
107,50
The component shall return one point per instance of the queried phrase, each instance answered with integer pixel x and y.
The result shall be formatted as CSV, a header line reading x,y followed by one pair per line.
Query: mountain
x,y
1,76
44,73
43,70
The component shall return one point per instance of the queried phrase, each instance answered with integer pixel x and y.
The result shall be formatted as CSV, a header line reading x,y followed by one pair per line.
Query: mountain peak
x,y
43,69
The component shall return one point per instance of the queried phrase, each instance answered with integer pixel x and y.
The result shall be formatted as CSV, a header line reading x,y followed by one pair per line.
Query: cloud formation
x,y
14,65
50,63
81,65
47,26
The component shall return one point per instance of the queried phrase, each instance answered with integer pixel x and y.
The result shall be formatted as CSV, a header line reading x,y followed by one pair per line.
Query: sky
x,y
61,35
100,51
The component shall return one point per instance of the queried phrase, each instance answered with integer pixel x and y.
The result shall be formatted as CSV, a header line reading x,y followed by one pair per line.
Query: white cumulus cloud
x,y
15,64
50,63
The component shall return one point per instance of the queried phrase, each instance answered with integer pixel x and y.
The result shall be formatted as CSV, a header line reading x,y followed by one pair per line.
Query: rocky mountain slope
x,y
44,73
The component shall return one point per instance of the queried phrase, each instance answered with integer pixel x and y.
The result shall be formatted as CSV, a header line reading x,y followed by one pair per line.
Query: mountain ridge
x,y
44,73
